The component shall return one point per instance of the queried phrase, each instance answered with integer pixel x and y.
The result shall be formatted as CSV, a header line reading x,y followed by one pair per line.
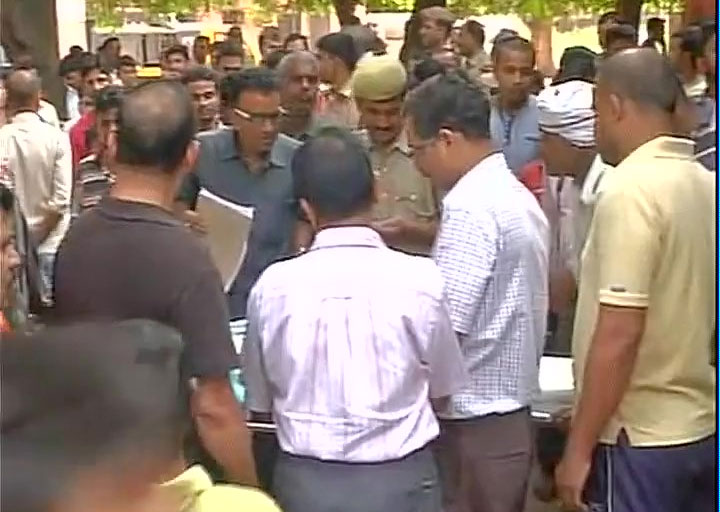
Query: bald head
x,y
23,90
643,76
295,59
156,124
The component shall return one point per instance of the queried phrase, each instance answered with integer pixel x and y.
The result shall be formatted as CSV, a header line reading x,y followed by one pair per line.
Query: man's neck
x,y
585,162
256,163
296,125
644,132
474,153
340,80
511,105
362,219
153,187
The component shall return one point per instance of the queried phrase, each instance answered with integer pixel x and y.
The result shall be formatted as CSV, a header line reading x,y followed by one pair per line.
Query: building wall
x,y
71,25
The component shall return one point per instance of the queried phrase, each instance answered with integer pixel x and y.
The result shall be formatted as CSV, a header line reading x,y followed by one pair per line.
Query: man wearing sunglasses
x,y
248,164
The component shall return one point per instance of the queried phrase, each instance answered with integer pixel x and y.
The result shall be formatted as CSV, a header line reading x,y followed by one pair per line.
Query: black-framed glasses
x,y
260,117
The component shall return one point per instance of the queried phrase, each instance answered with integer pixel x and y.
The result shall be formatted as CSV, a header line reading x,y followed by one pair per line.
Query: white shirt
x,y
492,249
48,113
40,170
346,345
72,102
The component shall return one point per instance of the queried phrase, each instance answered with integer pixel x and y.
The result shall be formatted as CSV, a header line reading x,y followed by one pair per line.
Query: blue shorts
x,y
665,479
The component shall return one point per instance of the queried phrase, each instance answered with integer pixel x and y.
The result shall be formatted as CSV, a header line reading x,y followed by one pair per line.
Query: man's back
x,y
652,245
124,260
348,334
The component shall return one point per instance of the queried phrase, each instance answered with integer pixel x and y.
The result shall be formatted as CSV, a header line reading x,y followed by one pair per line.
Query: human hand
x,y
570,478
194,221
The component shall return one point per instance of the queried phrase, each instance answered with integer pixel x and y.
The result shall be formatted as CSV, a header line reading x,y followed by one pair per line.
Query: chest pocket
x,y
402,191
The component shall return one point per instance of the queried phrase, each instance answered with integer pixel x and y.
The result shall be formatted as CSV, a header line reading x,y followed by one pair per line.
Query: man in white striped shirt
x,y
347,345
492,250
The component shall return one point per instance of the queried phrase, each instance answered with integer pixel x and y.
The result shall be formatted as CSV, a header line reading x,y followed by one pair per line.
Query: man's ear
x,y
618,107
191,155
309,213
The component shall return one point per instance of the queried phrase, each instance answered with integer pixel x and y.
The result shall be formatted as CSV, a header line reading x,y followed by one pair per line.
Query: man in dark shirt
x,y
249,166
130,258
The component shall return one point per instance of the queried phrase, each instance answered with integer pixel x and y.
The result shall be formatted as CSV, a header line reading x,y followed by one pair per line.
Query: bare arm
x,y
222,429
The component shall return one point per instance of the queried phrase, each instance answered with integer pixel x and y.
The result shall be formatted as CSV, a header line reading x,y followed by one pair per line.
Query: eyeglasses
x,y
260,117
416,149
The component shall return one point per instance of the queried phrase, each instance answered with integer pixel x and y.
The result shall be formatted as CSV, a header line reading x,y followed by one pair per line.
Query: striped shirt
x,y
492,249
346,345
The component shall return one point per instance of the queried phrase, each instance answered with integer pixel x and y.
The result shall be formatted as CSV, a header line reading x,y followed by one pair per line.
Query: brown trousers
x,y
485,462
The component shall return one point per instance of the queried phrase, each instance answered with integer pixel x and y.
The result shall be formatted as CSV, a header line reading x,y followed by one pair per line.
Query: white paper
x,y
556,374
227,230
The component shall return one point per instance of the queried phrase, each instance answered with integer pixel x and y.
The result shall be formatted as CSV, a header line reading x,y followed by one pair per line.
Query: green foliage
x,y
110,12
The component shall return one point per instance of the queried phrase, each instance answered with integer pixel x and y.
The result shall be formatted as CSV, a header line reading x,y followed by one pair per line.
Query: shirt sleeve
x,y
466,251
202,318
62,175
447,370
259,397
627,241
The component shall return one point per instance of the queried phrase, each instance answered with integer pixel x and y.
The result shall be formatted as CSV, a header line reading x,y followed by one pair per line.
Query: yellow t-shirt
x,y
651,245
200,495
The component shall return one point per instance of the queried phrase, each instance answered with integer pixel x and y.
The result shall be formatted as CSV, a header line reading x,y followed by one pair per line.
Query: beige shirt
x,y
401,190
40,169
479,67
337,107
651,245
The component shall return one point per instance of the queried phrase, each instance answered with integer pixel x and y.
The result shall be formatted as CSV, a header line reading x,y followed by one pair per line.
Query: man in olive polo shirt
x,y
405,213
646,308
249,165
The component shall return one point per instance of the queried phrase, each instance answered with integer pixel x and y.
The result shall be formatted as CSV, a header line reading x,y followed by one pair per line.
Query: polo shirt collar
x,y
228,149
484,169
347,236
664,146
132,211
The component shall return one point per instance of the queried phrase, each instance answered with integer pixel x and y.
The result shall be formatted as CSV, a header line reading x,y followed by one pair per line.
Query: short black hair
x,y
608,17
692,39
449,100
230,49
7,199
107,41
645,77
655,23
341,46
476,31
253,79
620,32
156,123
106,405
513,43
274,58
427,68
577,62
91,62
127,60
201,38
176,49
200,74
70,64
332,172
108,98
296,37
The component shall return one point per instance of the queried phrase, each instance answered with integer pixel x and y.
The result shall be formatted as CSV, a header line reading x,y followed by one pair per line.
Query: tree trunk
x,y
630,11
411,44
29,27
541,35
345,11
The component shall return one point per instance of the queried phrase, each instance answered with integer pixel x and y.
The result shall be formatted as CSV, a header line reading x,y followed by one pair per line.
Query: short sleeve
x,y
626,239
201,316
259,397
465,252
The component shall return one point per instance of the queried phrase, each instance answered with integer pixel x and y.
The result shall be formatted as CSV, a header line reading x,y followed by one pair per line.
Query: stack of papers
x,y
227,230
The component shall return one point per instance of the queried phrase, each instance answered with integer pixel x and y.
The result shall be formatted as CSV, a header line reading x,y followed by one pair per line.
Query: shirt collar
x,y
486,167
228,149
347,236
27,117
400,144
136,212
663,146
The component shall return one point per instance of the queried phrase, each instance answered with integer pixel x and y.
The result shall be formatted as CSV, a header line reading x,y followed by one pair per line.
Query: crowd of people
x,y
423,231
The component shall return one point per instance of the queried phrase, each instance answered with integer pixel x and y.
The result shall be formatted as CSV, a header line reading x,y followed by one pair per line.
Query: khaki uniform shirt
x,y
479,69
401,190
651,245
